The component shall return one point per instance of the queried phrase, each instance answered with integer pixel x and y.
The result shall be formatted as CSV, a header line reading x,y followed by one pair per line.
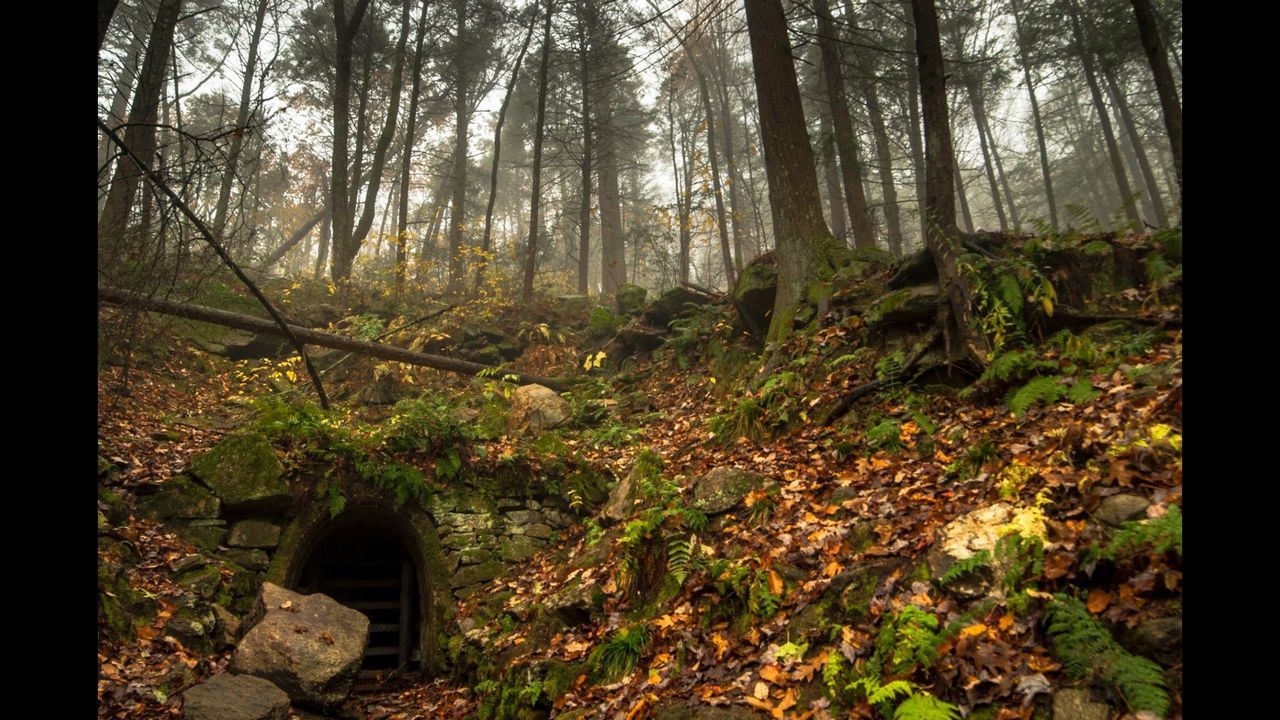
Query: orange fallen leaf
x,y
973,630
788,701
1098,600
771,673
764,705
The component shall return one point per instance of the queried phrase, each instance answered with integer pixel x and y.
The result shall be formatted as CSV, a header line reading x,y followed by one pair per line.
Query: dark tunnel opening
x,y
362,564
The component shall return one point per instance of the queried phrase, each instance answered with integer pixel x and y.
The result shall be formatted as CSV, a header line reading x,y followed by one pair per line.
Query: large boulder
x,y
308,645
755,291
630,299
244,472
623,496
673,304
1117,509
976,532
535,408
254,534
724,488
234,697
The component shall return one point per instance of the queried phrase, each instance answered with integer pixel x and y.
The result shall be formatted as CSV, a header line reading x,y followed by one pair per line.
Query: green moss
x,y
631,299
244,472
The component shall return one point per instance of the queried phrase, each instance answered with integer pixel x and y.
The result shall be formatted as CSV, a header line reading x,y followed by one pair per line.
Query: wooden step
x,y
373,604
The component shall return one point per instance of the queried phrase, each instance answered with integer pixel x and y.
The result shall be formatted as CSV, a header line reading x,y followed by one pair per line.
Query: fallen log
x,y
116,296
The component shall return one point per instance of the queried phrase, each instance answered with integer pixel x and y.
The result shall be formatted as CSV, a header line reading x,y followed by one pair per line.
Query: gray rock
x,y
476,574
180,499
254,534
535,408
897,307
962,538
249,559
540,531
526,517
724,488
234,697
311,649
573,603
227,632
1076,704
1159,639
622,497
518,549
244,473
1117,509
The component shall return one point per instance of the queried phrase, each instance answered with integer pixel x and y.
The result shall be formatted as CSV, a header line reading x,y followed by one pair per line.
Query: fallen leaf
x,y
761,691
1098,600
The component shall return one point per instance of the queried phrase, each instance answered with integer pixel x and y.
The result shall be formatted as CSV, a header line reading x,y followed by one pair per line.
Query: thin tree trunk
x,y
1152,195
975,101
710,119
1000,174
326,234
340,188
298,235
1170,107
613,263
884,158
682,214
1035,116
406,159
457,214
535,197
140,135
731,161
863,230
913,135
1100,106
584,212
106,8
119,106
483,261
242,122
964,199
831,174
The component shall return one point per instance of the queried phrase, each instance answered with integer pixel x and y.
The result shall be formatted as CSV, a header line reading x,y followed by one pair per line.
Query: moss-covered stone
x,y
872,256
755,292
254,534
476,574
520,548
244,473
203,582
180,498
604,322
249,559
112,505
675,303
203,534
724,488
120,608
631,299
912,304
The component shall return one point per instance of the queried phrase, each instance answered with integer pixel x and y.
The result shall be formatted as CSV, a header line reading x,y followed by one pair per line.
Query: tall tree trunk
x,y
340,188
1167,91
1035,115
1152,196
140,135
710,120
884,158
1100,106
864,234
242,122
684,210
975,101
805,245
457,213
326,234
913,136
1000,173
942,239
377,167
964,199
483,261
535,197
119,107
586,11
730,157
613,261
406,158
831,174
106,8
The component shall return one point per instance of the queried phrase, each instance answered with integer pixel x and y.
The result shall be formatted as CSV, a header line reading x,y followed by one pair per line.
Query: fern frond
x,y
968,565
890,692
1040,391
923,706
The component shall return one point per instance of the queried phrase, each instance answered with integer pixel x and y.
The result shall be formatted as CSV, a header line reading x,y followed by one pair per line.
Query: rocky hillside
x,y
859,523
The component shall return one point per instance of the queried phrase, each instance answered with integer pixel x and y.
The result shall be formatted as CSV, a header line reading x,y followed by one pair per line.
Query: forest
x,y
639,359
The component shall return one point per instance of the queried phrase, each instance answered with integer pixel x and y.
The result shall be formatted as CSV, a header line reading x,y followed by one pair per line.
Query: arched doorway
x,y
382,560
362,563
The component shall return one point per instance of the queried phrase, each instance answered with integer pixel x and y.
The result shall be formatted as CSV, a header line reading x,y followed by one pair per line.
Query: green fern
x,y
923,706
1081,391
679,556
1161,535
1088,650
1040,391
885,435
618,656
966,566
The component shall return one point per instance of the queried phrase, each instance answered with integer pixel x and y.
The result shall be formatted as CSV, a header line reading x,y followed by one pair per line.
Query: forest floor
x,y
750,627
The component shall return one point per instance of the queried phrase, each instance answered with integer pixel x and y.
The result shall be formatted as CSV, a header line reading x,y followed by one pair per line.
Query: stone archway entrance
x,y
360,562
381,560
